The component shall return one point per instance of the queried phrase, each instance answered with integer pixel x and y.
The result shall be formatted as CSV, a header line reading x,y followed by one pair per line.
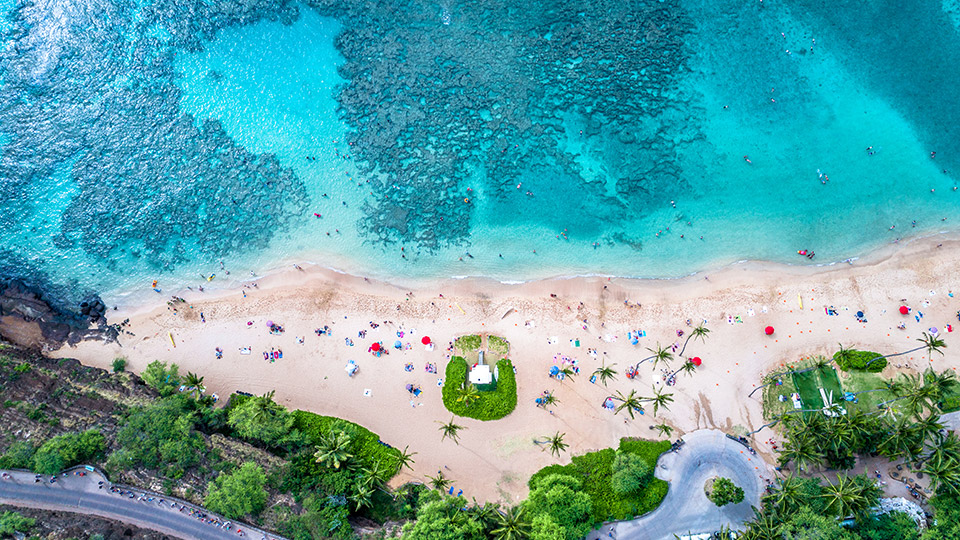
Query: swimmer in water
x,y
747,159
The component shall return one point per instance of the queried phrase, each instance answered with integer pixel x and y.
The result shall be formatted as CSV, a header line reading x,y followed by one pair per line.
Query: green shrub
x,y
119,364
855,360
12,522
163,379
67,450
238,494
950,404
498,345
595,471
365,445
161,434
630,472
490,405
725,492
467,343
18,456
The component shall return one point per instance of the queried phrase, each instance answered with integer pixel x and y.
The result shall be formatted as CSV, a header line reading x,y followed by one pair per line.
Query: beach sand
x,y
494,459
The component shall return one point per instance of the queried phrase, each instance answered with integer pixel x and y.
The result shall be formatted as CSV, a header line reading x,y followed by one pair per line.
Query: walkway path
x,y
83,495
686,510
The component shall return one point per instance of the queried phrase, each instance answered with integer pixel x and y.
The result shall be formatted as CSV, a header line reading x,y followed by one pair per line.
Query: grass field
x,y
808,384
862,382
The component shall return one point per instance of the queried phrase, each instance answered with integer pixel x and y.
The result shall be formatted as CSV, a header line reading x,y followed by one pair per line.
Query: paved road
x,y
81,494
686,509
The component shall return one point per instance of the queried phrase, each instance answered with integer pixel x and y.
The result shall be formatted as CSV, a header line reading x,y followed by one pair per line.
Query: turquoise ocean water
x,y
541,159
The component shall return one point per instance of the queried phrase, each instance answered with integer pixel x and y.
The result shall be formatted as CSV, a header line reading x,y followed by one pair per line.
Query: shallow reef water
x,y
499,138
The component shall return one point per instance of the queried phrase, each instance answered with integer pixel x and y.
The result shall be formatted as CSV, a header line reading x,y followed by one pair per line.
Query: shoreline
x,y
494,459
134,300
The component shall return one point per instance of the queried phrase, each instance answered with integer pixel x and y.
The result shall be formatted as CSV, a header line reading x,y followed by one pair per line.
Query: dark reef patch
x,y
436,95
90,87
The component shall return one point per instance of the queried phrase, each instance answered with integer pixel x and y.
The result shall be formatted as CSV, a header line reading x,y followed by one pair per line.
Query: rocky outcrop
x,y
28,319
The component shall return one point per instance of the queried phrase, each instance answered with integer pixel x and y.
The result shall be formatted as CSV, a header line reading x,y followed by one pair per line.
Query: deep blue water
x,y
153,140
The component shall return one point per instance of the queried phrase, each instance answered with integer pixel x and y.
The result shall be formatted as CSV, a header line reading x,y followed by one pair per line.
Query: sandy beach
x,y
494,459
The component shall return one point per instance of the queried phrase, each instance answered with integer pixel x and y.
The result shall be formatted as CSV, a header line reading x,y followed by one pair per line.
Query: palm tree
x,y
548,400
700,332
801,448
842,499
467,394
765,526
932,344
567,371
630,402
556,444
488,514
334,449
687,367
787,497
944,473
451,430
912,389
362,497
902,439
512,524
439,482
605,373
660,399
193,383
373,475
659,355
405,459
942,383
664,429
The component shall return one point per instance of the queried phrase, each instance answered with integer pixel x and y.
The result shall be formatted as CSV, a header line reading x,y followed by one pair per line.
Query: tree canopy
x,y
239,493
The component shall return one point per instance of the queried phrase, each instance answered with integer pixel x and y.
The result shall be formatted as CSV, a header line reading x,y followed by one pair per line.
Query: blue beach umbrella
x,y
397,344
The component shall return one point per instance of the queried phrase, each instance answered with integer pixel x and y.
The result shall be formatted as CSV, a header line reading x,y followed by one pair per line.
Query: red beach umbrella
x,y
904,310
696,361
425,340
768,330
375,346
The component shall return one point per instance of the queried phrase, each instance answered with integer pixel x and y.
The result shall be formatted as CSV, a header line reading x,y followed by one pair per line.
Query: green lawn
x,y
467,347
808,384
772,406
831,383
855,381
594,471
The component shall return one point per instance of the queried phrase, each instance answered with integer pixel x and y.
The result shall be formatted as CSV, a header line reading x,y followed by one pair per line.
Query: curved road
x,y
686,510
82,495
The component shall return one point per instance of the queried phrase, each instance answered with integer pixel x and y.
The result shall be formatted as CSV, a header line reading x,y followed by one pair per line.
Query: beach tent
x,y
768,330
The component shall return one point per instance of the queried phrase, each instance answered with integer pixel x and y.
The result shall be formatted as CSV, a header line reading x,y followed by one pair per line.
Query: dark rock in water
x,y
36,312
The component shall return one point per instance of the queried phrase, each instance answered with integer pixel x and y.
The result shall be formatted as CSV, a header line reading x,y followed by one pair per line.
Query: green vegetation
x,y
238,494
119,364
559,501
67,450
159,435
854,360
165,380
365,445
18,456
595,473
12,523
724,492
498,346
631,473
467,343
261,419
489,405
802,508
808,385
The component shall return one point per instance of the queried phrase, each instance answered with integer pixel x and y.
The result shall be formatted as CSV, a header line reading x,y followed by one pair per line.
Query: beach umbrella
x,y
768,330
859,314
397,344
934,330
375,346
904,310
696,361
270,324
425,340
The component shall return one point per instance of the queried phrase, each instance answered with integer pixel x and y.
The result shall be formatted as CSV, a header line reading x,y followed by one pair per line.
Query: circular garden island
x,y
479,381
